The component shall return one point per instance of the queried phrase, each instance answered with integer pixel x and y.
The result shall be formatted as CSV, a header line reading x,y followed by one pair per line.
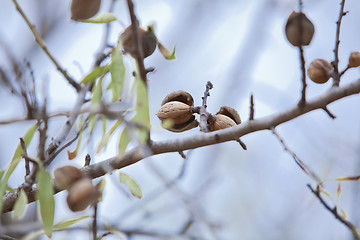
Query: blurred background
x,y
220,191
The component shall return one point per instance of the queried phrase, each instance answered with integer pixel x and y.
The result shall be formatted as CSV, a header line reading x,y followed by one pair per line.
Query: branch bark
x,y
205,139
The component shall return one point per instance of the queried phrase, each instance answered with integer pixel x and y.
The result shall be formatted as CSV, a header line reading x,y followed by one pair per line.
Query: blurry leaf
x,y
33,235
131,184
84,9
338,192
1,173
104,122
95,74
105,138
97,93
92,123
105,17
166,52
354,178
73,154
45,195
123,142
15,161
101,187
20,205
67,223
117,70
343,213
9,189
325,192
80,123
142,115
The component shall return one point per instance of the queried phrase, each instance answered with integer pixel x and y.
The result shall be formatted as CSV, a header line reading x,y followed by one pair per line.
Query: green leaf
x,y
101,187
166,52
142,115
20,205
105,17
45,195
131,184
33,235
97,93
15,161
117,70
105,138
92,123
123,142
95,74
68,223
343,213
104,122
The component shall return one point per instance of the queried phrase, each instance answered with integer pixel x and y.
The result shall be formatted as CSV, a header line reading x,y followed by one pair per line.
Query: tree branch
x,y
41,43
205,139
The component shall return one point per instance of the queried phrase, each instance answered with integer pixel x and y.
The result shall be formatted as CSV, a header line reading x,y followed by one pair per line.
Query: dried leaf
x,y
354,178
73,154
166,52
84,9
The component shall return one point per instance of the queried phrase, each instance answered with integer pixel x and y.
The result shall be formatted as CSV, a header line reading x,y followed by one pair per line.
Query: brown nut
x,y
66,176
84,9
319,71
175,111
221,121
180,96
225,118
354,59
82,194
148,39
299,29
192,123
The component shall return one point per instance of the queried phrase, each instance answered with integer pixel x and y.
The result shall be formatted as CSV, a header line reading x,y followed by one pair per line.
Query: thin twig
x,y
298,161
344,71
252,107
204,115
94,223
27,164
334,211
41,43
242,144
329,113
335,63
302,101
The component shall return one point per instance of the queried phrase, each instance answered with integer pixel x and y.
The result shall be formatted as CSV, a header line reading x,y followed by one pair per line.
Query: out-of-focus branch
x,y
41,43
334,211
206,139
335,63
204,115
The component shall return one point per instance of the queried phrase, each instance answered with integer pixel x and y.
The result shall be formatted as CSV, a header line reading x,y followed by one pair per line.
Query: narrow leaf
x,y
73,154
97,93
105,138
142,115
15,161
325,192
123,142
68,223
101,187
117,70
166,52
20,205
95,74
33,235
45,195
354,178
343,213
338,192
105,17
131,184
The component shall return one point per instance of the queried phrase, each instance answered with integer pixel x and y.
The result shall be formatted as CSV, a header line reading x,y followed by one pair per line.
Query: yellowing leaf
x,y
67,223
166,52
97,93
73,154
131,184
105,17
343,213
117,70
20,205
15,161
45,195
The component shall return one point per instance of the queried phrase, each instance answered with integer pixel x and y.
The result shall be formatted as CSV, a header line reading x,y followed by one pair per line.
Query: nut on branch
x,y
148,39
84,9
225,118
299,29
176,112
354,60
319,71
82,194
65,177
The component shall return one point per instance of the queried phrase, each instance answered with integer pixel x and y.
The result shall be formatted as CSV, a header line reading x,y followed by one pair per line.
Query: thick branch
x,y
205,139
